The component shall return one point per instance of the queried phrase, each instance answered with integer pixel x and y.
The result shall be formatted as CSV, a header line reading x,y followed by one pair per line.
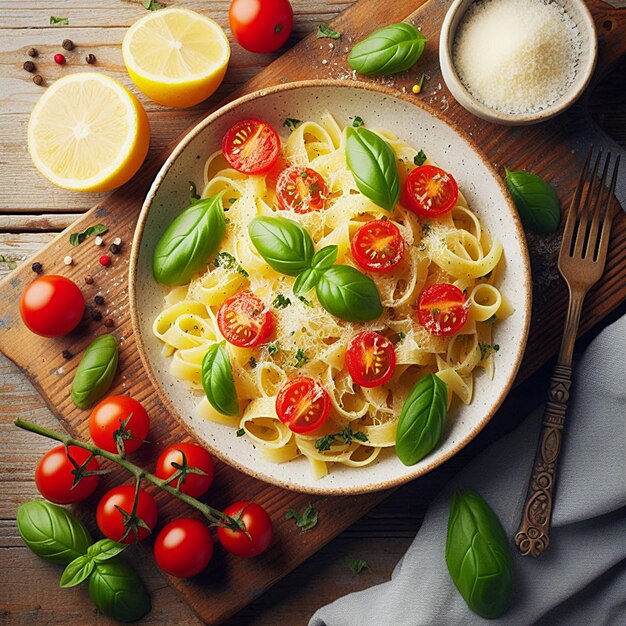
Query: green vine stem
x,y
216,517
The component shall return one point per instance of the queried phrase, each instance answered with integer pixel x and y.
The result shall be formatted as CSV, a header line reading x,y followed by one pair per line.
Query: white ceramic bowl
x,y
576,9
423,129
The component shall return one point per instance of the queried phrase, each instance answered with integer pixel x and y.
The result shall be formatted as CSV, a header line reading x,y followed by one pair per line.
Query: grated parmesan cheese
x,y
517,56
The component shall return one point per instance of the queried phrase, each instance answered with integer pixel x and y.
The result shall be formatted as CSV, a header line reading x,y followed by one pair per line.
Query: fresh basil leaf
x,y
390,50
62,21
218,381
325,257
189,241
325,32
348,294
478,556
118,592
306,281
535,200
97,229
95,371
422,418
373,165
105,549
51,532
283,243
77,571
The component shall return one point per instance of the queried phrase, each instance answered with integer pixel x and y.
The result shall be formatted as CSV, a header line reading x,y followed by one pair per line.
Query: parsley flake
x,y
240,432
325,32
356,565
305,520
357,121
301,358
62,21
347,436
419,158
486,349
280,301
291,123
228,262
273,348
152,5
97,229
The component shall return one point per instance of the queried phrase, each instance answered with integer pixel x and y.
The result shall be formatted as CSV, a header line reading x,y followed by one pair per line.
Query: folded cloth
x,y
581,578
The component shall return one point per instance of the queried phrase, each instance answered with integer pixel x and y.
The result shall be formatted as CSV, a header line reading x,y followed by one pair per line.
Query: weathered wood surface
x,y
384,534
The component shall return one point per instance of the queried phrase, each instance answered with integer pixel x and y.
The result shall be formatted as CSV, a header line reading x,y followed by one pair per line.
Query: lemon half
x,y
176,57
88,133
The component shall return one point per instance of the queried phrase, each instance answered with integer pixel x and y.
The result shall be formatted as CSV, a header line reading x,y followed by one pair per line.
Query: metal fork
x,y
582,258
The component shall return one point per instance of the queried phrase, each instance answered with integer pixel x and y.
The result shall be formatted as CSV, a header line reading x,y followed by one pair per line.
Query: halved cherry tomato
x,y
197,457
257,524
52,306
183,548
260,25
377,246
442,309
244,320
251,146
301,189
55,475
303,404
429,191
370,359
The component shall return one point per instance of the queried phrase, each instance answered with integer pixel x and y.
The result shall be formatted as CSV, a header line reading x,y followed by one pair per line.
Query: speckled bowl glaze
x,y
422,128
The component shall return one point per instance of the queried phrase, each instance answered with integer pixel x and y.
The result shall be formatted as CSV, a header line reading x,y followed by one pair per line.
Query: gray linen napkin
x,y
581,579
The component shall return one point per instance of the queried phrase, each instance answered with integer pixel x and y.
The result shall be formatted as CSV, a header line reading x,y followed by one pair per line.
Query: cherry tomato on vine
x,y
119,417
183,548
111,521
377,246
197,457
429,191
54,475
260,25
251,146
370,359
302,404
258,525
301,189
52,306
442,309
244,320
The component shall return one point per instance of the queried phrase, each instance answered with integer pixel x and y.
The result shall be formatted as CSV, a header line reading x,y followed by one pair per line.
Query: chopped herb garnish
x,y
228,262
304,300
491,320
401,336
356,565
435,311
280,301
357,121
152,5
419,158
305,520
193,191
63,21
232,200
240,432
252,362
325,32
347,436
426,228
301,358
486,349
97,229
291,123
273,348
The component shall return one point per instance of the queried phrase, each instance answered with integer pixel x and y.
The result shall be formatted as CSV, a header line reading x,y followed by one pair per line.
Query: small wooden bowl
x,y
576,9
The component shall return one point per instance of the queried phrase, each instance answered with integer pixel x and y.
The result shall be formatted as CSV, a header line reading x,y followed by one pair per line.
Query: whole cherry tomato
x,y
111,521
197,457
260,25
258,525
52,306
55,475
119,417
183,548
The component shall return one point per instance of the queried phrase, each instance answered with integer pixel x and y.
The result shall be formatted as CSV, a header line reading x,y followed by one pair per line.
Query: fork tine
x,y
602,248
599,212
585,210
572,214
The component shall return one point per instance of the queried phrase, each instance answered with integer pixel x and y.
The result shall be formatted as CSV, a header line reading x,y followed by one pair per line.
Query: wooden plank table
x,y
31,211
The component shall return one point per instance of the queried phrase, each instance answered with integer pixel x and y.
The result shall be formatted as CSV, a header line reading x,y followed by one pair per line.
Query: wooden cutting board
x,y
552,150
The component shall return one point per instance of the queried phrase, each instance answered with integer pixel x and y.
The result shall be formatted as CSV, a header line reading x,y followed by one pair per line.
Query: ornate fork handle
x,y
533,535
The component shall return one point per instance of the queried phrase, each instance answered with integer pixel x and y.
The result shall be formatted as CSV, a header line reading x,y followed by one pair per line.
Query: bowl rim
x,y
133,266
463,96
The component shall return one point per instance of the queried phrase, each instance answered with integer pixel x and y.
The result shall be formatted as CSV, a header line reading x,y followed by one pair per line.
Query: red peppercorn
x,y
59,58
105,260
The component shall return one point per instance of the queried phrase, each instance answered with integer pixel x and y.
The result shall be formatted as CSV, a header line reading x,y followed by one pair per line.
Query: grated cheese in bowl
x,y
517,56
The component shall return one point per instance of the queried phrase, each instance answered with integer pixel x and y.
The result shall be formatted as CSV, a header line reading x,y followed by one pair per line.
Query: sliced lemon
x,y
88,133
175,56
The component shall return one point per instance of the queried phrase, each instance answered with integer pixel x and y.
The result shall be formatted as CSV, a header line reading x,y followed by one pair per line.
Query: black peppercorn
x,y
29,66
108,322
89,279
68,44
90,58
67,355
114,248
96,316
32,52
99,299
38,79
37,267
